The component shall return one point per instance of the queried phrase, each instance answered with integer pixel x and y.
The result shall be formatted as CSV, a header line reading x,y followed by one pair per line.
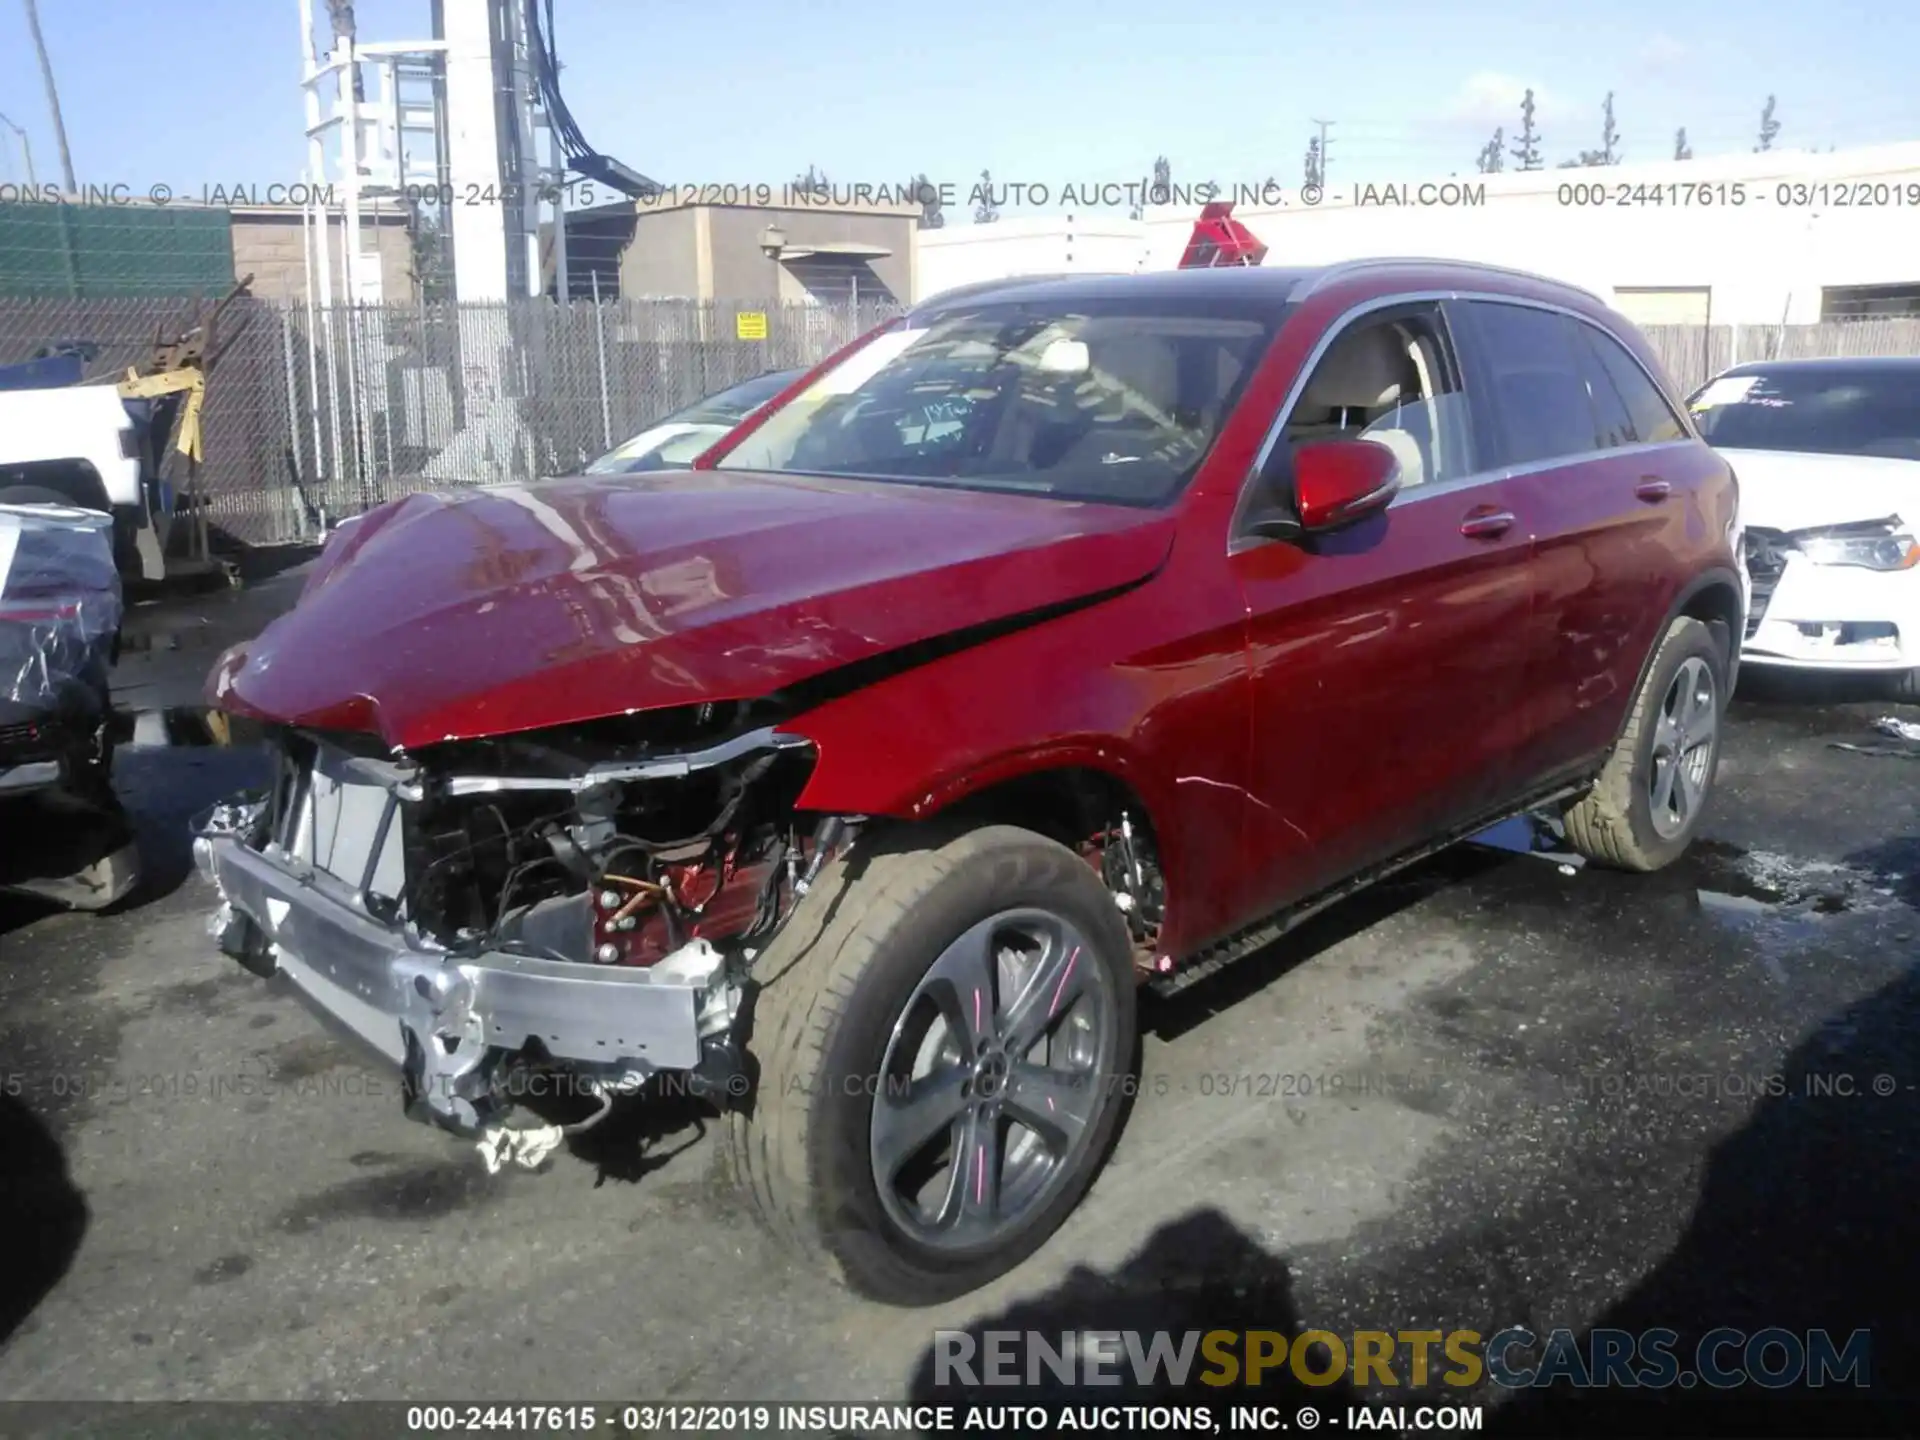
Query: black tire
x,y
1907,686
827,995
1614,824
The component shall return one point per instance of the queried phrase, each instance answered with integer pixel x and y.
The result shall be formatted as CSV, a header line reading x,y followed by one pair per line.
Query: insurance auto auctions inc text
x,y
1514,1358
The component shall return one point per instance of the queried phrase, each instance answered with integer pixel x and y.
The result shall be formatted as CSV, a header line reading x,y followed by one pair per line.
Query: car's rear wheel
x,y
943,1036
1643,811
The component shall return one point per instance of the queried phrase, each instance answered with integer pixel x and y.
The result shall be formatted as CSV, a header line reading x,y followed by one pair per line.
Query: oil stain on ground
x,y
304,1058
227,1267
425,1191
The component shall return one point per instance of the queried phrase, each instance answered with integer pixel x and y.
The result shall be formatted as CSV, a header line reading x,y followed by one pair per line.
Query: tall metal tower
x,y
451,126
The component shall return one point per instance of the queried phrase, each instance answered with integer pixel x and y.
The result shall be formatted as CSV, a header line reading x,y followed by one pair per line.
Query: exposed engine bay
x,y
584,903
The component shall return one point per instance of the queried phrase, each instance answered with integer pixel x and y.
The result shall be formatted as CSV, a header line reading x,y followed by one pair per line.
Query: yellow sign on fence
x,y
750,324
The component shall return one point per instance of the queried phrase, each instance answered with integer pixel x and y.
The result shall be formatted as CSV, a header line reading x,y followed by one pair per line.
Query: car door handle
x,y
1486,524
1653,489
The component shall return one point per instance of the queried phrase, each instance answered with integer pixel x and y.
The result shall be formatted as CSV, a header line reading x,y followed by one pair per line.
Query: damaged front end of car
x,y
583,903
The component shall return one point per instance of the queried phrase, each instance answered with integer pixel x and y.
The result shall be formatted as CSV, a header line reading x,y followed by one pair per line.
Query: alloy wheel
x,y
1684,736
993,1077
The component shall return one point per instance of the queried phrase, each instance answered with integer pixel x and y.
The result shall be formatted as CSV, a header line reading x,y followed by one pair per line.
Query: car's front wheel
x,y
1644,809
943,1038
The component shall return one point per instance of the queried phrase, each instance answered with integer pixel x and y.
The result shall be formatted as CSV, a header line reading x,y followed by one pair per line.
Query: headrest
x,y
1363,371
1145,364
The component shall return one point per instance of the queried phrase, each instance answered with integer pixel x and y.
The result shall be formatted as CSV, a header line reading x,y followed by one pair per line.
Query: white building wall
x,y
1758,259
1039,245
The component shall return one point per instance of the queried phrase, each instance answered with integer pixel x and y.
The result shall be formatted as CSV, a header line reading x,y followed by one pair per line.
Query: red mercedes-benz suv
x,y
1053,638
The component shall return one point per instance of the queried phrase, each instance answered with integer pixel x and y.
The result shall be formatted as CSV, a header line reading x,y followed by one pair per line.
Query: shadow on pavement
x,y
1809,1219
1768,685
59,850
1200,1272
1169,1017
42,1214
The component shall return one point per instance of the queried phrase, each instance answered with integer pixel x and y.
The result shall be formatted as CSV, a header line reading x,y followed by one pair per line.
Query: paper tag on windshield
x,y
1728,390
647,441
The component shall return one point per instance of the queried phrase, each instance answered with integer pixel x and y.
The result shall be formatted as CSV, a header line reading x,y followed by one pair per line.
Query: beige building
x,y
269,243
795,253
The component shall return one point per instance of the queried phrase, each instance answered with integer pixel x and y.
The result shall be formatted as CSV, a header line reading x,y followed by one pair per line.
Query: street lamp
x,y
26,149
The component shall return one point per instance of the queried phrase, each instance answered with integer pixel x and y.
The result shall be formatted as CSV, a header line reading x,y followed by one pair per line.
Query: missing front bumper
x,y
446,1021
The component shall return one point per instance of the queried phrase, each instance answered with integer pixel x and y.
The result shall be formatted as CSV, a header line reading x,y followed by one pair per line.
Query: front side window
x,y
1098,400
1545,412
1392,378
1822,412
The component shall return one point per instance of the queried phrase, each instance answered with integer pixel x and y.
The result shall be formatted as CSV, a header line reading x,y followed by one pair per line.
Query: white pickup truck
x,y
87,446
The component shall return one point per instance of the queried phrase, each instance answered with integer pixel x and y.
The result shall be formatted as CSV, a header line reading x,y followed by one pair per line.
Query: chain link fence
x,y
328,412
314,412
385,401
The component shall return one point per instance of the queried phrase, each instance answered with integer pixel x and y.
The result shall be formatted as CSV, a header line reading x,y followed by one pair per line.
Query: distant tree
x,y
1769,127
1315,170
813,183
1493,155
986,212
928,194
1527,150
430,260
1158,192
1608,153
1681,150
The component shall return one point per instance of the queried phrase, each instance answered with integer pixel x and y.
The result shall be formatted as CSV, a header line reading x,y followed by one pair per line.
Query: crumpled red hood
x,y
449,616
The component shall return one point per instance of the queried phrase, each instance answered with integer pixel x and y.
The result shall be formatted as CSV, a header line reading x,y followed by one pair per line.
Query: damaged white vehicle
x,y
1828,455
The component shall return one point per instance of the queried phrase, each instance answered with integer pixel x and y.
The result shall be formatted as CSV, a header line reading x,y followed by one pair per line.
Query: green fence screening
x,y
85,252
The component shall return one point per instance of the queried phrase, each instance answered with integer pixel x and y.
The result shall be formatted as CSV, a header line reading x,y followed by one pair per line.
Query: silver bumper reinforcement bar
x,y
436,1015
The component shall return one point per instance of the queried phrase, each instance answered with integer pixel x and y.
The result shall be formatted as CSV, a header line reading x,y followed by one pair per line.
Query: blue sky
x,y
727,91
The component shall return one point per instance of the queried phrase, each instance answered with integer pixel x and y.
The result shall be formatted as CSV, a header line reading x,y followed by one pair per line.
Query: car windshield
x,y
684,434
1092,400
1824,412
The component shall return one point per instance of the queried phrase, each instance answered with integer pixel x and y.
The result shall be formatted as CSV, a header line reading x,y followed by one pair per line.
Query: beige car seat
x,y
1366,387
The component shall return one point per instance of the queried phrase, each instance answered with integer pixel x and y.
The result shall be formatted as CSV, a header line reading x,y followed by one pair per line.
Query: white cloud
x,y
1489,99
1663,52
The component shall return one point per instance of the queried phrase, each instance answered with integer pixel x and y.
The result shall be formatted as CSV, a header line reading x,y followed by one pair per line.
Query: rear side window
x,y
1652,418
1613,426
1537,383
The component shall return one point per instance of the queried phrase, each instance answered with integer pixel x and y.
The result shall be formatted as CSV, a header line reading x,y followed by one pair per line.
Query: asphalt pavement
x,y
1488,1093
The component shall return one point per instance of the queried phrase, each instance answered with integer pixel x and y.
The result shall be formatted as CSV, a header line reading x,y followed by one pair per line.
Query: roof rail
x,y
982,287
1342,269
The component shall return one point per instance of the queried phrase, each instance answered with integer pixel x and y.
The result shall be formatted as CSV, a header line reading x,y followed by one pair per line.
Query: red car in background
x,y
1052,638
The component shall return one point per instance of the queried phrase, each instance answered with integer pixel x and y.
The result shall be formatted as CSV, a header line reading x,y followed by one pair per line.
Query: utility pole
x,y
26,149
1324,126
53,96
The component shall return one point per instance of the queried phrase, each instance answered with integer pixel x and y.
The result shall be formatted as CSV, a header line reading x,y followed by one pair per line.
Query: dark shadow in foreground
x,y
1198,1273
42,1214
1809,1219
